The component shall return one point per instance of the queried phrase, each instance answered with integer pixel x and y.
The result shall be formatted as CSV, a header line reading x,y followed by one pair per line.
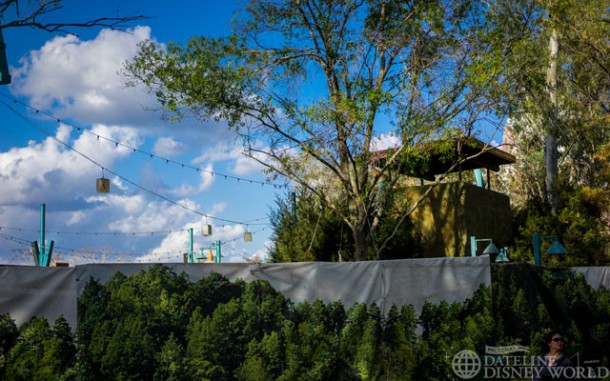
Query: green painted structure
x,y
452,212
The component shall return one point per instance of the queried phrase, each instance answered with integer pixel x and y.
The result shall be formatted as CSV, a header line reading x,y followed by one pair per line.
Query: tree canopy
x,y
559,128
561,89
310,85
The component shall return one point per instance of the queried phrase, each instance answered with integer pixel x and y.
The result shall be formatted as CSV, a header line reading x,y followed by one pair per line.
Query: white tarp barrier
x,y
596,277
26,292
29,291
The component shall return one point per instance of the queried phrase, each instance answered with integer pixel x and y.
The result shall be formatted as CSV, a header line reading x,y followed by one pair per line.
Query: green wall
x,y
452,212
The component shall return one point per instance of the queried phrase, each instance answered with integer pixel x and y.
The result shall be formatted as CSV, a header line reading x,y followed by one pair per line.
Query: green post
x,y
473,246
478,176
191,260
293,205
218,252
537,241
42,252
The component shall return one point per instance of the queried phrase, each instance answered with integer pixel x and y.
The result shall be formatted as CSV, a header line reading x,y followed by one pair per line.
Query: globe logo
x,y
466,364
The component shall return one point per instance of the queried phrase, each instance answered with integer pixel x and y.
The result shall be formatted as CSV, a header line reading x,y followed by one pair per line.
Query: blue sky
x,y
166,178
68,92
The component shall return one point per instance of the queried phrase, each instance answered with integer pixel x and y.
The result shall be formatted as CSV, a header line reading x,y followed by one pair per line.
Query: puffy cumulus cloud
x,y
168,147
170,249
221,151
245,165
50,171
98,143
155,216
154,181
232,150
206,180
113,204
81,78
76,79
175,243
385,141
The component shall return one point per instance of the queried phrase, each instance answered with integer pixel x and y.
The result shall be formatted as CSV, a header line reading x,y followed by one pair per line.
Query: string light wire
x,y
91,253
45,132
145,153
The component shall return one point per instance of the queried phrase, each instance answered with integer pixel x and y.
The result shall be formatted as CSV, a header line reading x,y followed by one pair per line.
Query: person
x,y
554,362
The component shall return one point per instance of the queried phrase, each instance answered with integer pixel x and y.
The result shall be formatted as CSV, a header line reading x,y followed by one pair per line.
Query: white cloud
x,y
206,180
168,147
221,151
385,141
232,151
246,165
154,181
50,171
81,78
154,216
175,243
76,79
75,217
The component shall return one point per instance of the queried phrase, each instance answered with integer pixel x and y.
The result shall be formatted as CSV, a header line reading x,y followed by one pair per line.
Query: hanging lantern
x,y
102,185
207,230
248,236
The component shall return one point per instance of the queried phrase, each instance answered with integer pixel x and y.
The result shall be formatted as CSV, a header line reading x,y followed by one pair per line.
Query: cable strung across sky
x,y
149,154
70,86
99,254
156,194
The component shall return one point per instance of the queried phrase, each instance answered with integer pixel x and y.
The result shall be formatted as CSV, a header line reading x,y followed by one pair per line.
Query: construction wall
x,y
452,212
26,292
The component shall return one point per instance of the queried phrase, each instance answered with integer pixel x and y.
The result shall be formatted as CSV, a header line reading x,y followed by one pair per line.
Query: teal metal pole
x,y
191,245
218,252
473,246
46,248
293,206
42,228
537,242
478,175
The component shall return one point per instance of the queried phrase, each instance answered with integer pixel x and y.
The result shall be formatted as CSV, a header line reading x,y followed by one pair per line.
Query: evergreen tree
x,y
41,352
8,337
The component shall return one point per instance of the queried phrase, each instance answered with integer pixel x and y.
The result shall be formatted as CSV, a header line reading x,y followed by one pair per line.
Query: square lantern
x,y
248,236
207,230
102,185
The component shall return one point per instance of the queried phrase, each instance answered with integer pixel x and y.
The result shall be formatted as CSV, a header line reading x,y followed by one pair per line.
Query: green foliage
x,y
124,324
578,224
573,109
292,75
41,352
8,337
304,231
551,299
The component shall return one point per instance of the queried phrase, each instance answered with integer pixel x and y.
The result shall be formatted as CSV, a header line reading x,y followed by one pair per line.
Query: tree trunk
x,y
552,128
360,244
